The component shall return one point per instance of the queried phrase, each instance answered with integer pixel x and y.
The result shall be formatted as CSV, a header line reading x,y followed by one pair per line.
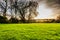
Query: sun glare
x,y
44,12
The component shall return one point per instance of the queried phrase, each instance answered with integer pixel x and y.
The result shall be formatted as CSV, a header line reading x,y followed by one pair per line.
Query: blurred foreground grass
x,y
33,31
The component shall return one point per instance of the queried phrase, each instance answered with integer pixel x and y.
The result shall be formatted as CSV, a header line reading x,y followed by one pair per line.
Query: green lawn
x,y
34,31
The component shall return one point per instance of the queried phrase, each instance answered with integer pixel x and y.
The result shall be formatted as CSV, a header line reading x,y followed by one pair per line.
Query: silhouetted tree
x,y
58,19
3,19
3,6
22,7
32,10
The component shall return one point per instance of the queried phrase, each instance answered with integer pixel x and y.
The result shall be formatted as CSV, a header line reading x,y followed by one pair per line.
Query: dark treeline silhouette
x,y
23,9
13,20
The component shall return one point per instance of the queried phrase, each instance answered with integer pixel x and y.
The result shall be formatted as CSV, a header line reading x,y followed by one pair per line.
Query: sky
x,y
44,12
47,9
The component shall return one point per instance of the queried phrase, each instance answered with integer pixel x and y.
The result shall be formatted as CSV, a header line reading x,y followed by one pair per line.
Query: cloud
x,y
53,3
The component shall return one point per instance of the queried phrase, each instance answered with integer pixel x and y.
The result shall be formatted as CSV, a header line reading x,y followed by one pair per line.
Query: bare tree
x,y
11,7
4,7
23,6
32,10
58,17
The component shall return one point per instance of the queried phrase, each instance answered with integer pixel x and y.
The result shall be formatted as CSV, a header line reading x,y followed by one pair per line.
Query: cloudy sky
x,y
47,8
44,12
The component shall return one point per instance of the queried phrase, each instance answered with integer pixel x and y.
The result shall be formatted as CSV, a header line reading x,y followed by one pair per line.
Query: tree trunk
x,y
4,13
23,20
5,10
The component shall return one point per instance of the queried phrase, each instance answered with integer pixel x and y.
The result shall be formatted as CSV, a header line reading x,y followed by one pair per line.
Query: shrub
x,y
14,20
3,19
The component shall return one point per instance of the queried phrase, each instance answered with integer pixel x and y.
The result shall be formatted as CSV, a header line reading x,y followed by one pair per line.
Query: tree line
x,y
19,11
23,9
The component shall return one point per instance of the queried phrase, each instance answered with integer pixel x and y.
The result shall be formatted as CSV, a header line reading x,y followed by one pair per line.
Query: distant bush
x,y
57,21
3,19
14,20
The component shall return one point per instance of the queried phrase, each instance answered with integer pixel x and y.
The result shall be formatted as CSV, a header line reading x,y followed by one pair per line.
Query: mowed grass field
x,y
33,31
